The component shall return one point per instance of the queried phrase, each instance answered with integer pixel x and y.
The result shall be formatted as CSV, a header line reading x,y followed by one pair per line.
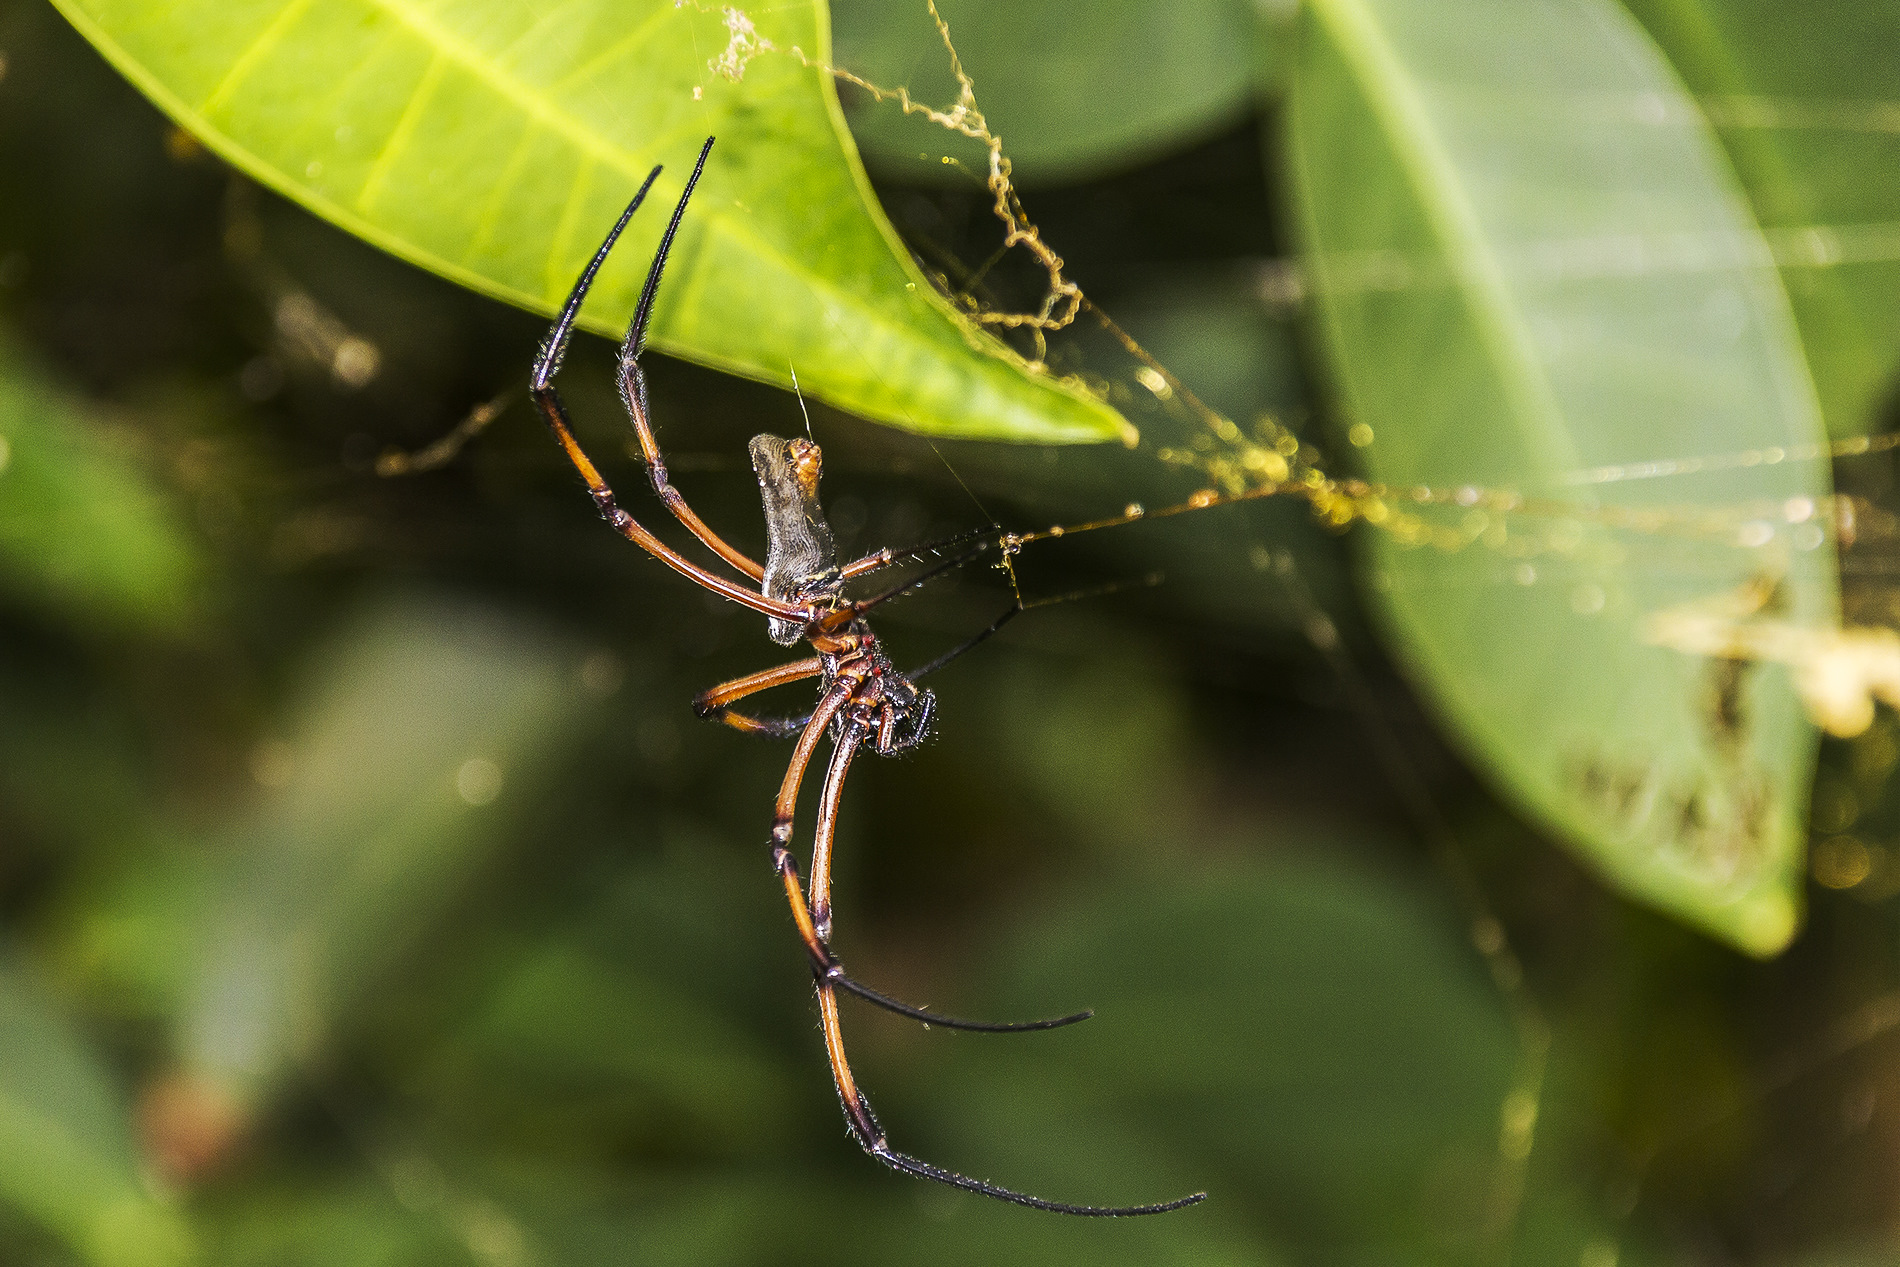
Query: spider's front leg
x,y
547,398
633,393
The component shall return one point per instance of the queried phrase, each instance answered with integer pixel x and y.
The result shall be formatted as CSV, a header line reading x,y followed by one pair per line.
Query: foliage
x,y
370,897
1586,275
495,146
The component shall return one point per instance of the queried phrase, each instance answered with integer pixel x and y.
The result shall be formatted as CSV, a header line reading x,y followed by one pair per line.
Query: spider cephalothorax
x,y
863,699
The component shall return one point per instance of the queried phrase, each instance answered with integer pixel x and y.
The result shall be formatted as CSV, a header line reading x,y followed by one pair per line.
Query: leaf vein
x,y
246,62
555,269
504,185
629,43
400,135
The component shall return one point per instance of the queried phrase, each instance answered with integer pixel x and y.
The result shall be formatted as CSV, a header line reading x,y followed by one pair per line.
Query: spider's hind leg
x,y
830,978
824,964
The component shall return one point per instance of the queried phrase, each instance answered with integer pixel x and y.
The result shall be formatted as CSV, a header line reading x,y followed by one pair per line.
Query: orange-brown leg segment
x,y
830,977
627,526
716,704
633,391
548,400
814,918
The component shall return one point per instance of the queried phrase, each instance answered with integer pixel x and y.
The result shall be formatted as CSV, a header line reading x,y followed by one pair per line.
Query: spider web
x,y
1839,673
1200,459
1062,331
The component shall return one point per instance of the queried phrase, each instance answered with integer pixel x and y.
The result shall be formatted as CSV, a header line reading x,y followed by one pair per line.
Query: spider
x,y
864,701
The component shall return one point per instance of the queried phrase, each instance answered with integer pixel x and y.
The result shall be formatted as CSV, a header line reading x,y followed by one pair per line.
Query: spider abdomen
x,y
801,559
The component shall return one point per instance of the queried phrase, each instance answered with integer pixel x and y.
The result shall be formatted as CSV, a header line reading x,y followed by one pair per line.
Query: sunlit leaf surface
x,y
1804,98
1538,274
495,143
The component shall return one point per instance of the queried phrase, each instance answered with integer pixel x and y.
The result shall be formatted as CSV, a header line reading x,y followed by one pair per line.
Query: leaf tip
x,y
1766,925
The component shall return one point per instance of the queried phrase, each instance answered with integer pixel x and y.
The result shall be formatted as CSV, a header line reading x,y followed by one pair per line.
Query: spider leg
x,y
633,391
922,579
859,1118
716,704
548,400
884,558
814,919
824,964
829,799
1008,615
864,1128
765,727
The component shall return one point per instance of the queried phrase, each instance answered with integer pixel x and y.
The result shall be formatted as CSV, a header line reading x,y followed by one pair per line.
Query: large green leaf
x,y
496,142
1803,97
1541,285
67,1159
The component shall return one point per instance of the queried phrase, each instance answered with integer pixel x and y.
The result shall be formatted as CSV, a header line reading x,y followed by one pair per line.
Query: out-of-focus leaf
x,y
572,1040
362,1220
1319,1030
1803,96
74,769
131,932
495,143
86,533
1211,330
426,727
67,1160
1874,1252
1540,283
411,1208
1105,746
1072,92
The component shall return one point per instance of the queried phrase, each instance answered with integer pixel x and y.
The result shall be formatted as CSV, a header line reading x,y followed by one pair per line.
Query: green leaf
x,y
571,1036
67,1159
1803,97
86,533
427,731
305,1224
1541,285
1315,1026
495,143
1074,93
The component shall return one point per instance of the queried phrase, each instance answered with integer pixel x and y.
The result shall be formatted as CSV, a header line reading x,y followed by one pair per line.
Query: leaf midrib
x,y
1388,85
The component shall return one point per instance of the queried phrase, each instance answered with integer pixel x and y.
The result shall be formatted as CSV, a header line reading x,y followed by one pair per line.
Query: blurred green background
x,y
369,895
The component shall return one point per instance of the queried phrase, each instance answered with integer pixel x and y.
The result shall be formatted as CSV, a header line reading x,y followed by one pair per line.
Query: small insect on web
x,y
864,700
